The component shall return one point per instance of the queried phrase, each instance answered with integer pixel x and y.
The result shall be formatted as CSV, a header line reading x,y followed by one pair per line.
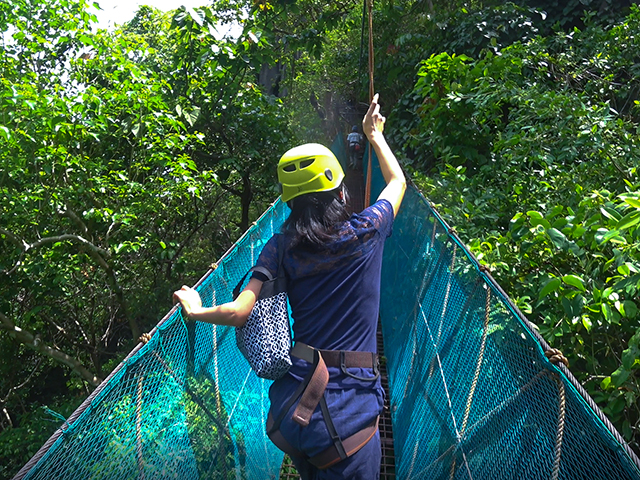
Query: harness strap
x,y
318,382
313,393
331,455
275,425
333,433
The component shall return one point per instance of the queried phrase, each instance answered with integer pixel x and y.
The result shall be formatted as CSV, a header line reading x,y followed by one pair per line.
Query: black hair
x,y
315,217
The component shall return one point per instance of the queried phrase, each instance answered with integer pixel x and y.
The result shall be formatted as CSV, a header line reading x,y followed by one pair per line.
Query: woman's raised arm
x,y
373,126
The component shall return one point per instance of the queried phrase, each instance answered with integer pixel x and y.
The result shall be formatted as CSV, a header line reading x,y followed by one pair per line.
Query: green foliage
x,y
537,169
568,14
18,445
207,422
128,162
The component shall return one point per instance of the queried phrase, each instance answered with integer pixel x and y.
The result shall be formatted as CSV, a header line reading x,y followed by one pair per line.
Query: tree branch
x,y
71,238
34,342
96,253
15,239
25,247
75,219
230,189
192,233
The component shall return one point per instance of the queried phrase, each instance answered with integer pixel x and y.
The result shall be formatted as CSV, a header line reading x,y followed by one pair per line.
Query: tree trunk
x,y
245,200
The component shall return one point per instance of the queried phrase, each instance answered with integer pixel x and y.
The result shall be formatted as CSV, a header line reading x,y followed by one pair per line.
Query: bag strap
x,y
280,242
262,270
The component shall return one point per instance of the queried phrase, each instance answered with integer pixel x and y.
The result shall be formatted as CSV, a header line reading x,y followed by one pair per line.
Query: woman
x,y
332,263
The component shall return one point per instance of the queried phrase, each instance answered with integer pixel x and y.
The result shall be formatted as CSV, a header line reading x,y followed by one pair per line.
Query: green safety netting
x,y
472,394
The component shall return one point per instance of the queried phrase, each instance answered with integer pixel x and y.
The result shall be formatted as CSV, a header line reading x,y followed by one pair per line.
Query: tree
x,y
117,155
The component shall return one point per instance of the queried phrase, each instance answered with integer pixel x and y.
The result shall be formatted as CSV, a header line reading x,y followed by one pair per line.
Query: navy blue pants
x,y
351,409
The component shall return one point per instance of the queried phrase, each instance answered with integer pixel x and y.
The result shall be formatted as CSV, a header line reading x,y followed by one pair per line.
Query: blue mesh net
x,y
472,394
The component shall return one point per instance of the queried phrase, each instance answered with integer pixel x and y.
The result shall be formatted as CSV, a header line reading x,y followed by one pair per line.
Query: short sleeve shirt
x,y
354,137
335,294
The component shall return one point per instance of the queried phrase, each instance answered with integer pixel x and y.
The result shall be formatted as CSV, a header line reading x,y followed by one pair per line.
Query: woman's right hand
x,y
189,299
373,122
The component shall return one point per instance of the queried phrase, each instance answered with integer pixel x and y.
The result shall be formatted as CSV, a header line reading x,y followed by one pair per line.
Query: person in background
x,y
354,142
324,411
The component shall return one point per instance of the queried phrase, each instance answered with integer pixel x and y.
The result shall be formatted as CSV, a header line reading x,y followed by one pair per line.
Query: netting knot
x,y
555,356
59,417
144,338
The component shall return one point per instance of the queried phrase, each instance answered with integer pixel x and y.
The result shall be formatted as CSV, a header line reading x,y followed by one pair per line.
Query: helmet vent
x,y
289,168
306,163
328,174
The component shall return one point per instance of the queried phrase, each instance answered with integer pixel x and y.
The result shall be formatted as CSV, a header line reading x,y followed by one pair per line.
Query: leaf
x,y
610,213
586,321
628,220
629,309
631,354
551,286
4,131
633,202
195,15
253,37
603,235
557,237
574,281
609,315
620,376
628,282
568,307
624,269
192,117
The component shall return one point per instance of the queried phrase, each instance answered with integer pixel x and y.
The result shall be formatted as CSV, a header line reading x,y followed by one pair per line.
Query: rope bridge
x,y
474,392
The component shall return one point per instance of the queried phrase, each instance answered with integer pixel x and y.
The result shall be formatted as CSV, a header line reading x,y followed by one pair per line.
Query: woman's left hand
x,y
189,299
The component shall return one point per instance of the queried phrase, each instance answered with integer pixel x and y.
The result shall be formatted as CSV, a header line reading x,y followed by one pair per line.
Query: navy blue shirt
x,y
335,294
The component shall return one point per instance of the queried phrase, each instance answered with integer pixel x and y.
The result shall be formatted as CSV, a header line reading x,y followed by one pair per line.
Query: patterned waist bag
x,y
265,339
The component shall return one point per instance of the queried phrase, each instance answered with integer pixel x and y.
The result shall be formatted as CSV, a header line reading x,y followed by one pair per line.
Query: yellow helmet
x,y
308,168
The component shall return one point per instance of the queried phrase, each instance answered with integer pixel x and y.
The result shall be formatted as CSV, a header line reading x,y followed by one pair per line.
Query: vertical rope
x,y
216,375
371,64
560,431
364,12
139,427
445,303
476,375
367,189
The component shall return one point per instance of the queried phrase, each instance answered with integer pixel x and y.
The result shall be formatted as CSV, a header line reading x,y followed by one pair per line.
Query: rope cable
x,y
562,402
139,393
367,190
364,12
